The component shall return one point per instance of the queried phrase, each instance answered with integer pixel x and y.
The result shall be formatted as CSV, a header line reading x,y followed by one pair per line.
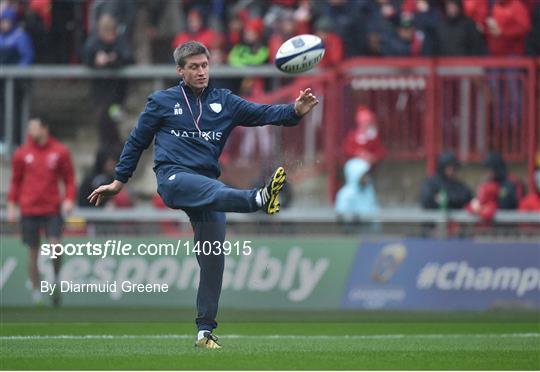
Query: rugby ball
x,y
299,54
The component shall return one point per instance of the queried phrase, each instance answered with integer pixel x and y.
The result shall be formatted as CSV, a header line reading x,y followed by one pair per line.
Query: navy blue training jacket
x,y
179,144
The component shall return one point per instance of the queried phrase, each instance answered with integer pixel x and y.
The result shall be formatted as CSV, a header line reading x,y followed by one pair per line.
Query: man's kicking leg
x,y
209,227
194,191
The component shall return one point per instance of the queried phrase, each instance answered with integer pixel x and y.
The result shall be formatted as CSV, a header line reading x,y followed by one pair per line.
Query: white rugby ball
x,y
299,54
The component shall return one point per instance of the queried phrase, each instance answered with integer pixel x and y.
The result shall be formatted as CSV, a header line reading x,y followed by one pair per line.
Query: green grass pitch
x,y
157,339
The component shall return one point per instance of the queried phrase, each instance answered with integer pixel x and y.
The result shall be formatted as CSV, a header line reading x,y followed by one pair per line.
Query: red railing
x,y
425,106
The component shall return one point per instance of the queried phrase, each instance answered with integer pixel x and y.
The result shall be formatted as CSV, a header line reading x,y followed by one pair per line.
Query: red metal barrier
x,y
467,105
425,106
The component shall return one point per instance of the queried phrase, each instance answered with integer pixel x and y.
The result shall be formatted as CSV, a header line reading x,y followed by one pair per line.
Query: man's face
x,y
37,131
195,71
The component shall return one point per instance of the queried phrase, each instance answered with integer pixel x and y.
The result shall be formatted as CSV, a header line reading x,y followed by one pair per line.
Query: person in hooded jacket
x,y
510,188
445,190
456,34
16,49
15,43
358,195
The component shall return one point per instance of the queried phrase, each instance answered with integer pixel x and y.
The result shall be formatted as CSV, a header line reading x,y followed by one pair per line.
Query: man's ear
x,y
180,71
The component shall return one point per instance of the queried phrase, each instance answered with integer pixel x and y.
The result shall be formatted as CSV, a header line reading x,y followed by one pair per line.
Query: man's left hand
x,y
305,102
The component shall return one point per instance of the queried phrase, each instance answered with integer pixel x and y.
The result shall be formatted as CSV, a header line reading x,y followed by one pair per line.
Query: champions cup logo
x,y
388,261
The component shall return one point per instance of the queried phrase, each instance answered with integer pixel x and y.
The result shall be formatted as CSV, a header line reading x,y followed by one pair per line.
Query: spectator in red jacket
x,y
38,167
197,31
478,11
531,202
507,27
364,141
510,190
485,203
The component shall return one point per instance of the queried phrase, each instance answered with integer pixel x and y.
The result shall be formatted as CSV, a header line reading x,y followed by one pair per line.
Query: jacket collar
x,y
190,93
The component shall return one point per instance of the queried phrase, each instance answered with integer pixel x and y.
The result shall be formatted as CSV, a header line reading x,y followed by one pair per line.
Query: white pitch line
x,y
272,337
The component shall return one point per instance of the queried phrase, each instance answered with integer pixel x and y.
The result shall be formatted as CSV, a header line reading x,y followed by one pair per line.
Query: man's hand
x,y
67,207
98,195
11,213
305,102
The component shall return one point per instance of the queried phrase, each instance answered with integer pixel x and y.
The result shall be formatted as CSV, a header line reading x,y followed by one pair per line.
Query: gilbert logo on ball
x,y
299,54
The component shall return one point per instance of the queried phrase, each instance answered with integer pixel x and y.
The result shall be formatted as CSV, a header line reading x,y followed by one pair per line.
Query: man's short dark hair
x,y
188,49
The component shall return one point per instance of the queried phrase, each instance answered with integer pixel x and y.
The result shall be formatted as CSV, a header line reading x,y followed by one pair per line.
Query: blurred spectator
x,y
403,41
122,11
102,174
251,51
427,16
477,11
197,31
38,168
509,188
533,39
164,19
349,22
484,204
334,53
531,202
284,29
107,49
357,196
383,15
364,141
15,43
445,190
43,9
15,49
456,34
234,29
67,30
506,27
303,16
37,23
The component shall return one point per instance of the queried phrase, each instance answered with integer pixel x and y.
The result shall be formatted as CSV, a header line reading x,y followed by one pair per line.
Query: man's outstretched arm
x,y
139,139
251,114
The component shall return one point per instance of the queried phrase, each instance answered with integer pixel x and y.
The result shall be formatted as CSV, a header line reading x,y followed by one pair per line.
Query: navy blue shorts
x,y
32,226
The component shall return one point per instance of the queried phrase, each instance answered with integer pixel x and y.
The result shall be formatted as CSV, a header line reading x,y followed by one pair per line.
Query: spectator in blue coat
x,y
15,49
357,196
15,44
